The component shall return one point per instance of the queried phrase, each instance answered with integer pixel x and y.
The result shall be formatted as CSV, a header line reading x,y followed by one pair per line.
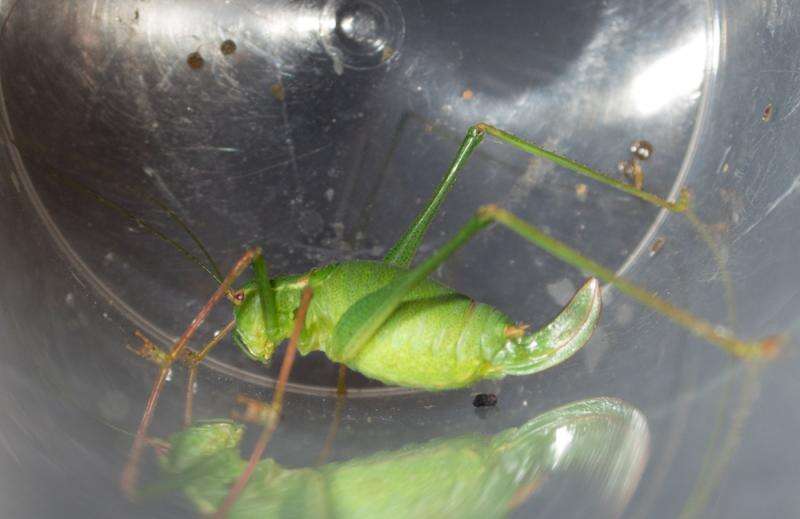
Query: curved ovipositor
x,y
474,475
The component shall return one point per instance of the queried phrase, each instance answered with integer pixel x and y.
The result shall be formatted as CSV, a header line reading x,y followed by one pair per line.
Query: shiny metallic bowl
x,y
316,129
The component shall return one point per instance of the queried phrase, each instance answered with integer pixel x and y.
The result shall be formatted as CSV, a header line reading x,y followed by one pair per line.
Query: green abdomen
x,y
437,339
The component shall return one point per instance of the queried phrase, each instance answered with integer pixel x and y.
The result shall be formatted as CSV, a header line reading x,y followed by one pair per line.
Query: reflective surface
x,y
316,130
294,143
602,442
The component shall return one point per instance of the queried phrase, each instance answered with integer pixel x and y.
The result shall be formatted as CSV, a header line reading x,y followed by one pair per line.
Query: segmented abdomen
x,y
436,339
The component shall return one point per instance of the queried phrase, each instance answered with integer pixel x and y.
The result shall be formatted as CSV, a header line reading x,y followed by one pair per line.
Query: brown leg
x,y
193,361
341,391
130,473
275,411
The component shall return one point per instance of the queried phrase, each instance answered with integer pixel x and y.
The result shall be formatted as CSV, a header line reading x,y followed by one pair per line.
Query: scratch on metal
x,y
774,205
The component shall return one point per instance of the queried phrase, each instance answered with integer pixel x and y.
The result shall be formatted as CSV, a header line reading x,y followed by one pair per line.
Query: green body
x,y
469,476
435,339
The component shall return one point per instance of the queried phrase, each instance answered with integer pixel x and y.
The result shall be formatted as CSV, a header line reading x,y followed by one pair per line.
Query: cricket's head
x,y
251,332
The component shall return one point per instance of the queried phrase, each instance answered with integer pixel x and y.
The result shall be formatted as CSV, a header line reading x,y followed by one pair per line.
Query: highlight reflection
x,y
601,441
677,75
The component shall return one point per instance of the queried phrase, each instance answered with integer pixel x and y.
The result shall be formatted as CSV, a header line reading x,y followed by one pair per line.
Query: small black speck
x,y
485,400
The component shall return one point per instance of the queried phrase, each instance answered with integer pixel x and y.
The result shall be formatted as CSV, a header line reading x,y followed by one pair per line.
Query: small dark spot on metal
x,y
658,243
195,61
228,47
485,400
766,115
387,54
278,91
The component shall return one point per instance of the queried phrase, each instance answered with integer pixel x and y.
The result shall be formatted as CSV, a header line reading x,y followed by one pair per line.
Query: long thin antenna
x,y
183,225
140,222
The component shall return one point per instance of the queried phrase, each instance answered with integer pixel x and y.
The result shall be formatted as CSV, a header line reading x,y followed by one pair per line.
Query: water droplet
x,y
361,34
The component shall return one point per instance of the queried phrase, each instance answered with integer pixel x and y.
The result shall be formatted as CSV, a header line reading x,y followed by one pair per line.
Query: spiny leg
x,y
341,392
679,206
364,318
404,250
406,247
429,127
253,256
194,360
759,349
273,417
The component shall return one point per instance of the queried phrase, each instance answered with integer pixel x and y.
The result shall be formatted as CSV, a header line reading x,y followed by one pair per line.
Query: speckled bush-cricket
x,y
388,321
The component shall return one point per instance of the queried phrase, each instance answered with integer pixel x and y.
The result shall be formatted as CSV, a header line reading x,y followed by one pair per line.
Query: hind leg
x,y
366,316
406,247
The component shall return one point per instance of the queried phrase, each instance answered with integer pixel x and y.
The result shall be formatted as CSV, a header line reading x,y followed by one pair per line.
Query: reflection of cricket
x,y
391,323
467,476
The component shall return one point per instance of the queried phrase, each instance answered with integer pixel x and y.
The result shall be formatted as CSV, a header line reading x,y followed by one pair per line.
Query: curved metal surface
x,y
285,143
316,129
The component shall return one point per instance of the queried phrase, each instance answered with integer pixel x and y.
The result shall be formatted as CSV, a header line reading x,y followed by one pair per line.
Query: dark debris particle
x,y
195,61
766,115
228,47
485,400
